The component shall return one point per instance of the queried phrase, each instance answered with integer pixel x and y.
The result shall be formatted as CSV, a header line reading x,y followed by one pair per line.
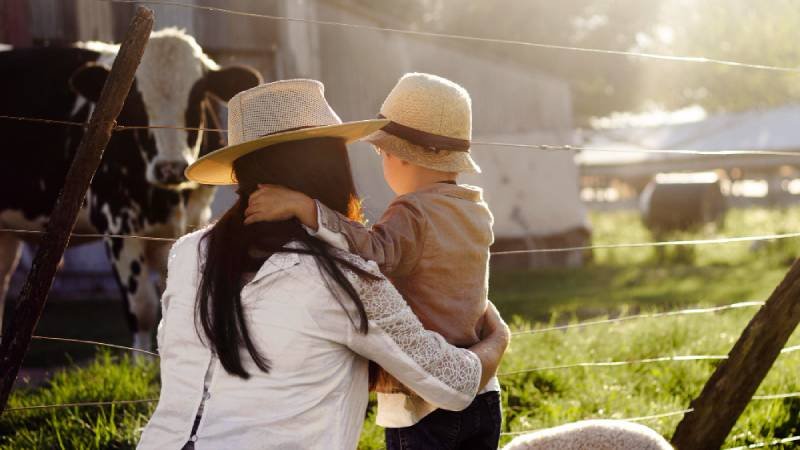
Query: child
x,y
432,243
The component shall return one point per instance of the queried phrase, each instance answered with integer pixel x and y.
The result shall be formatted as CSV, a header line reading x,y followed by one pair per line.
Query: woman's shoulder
x,y
188,242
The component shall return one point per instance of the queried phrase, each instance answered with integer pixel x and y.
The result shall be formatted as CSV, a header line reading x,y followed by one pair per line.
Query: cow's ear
x,y
88,80
227,82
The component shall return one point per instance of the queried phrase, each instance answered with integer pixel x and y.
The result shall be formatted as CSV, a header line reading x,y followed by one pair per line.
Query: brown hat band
x,y
424,139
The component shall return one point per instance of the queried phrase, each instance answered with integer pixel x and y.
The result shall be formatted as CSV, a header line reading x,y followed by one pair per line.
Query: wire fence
x,y
539,147
579,325
683,312
787,440
643,55
82,404
95,343
658,359
723,240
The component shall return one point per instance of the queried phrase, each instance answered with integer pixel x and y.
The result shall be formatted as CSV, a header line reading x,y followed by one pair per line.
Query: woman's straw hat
x,y
274,113
431,124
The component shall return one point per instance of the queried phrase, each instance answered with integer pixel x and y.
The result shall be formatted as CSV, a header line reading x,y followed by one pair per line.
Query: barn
x,y
534,195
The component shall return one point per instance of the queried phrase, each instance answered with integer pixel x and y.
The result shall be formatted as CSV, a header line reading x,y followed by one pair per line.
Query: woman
x,y
266,331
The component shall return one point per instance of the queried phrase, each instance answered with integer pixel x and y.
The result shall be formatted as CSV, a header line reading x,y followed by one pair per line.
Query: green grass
x,y
549,398
106,378
620,281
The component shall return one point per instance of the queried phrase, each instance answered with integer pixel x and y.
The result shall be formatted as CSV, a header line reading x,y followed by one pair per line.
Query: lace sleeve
x,y
440,373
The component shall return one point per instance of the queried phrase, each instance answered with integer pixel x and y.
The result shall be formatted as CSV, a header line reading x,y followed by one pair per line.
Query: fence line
x,y
169,127
776,396
80,404
541,147
93,235
683,312
643,55
786,440
668,414
97,343
680,358
726,240
659,359
116,126
551,148
45,121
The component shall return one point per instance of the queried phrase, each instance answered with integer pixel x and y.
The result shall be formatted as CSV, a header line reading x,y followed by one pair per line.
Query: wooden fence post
x,y
733,384
62,220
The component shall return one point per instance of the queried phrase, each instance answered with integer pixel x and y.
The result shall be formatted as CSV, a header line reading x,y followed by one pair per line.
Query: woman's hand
x,y
495,337
272,203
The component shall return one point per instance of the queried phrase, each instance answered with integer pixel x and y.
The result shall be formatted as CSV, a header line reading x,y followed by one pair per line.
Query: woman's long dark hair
x,y
318,167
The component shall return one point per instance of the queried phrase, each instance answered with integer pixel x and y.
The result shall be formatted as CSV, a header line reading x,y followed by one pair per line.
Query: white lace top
x,y
315,395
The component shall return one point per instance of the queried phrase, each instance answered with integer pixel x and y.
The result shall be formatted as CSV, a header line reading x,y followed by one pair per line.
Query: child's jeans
x,y
477,427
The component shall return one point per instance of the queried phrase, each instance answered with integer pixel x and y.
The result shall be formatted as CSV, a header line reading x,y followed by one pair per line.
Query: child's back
x,y
443,275
432,242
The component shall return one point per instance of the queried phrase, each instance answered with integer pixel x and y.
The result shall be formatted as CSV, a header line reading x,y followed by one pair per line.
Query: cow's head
x,y
174,86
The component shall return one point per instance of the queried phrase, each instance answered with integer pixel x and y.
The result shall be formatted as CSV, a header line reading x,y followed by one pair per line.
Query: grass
x,y
105,378
620,281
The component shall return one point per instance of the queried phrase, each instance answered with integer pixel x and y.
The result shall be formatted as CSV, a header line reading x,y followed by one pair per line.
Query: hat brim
x,y
216,168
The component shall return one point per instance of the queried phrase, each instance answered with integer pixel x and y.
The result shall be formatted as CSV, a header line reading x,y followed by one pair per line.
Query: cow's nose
x,y
170,172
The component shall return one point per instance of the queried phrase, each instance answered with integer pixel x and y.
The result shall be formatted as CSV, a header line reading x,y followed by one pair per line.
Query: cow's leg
x,y
139,296
10,252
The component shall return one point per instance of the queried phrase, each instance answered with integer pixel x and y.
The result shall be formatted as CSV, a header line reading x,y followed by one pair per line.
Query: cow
x,y
139,187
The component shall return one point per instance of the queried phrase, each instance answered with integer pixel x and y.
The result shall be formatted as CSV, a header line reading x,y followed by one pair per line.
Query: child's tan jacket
x,y
433,244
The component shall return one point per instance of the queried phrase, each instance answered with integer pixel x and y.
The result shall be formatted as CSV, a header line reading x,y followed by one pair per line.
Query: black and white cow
x,y
139,187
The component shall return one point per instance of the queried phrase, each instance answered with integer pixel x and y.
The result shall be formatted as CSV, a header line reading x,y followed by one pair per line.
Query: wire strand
x,y
93,235
642,55
739,305
660,359
45,121
540,147
678,151
116,127
169,127
97,343
776,396
81,404
727,240
668,414
786,440
682,358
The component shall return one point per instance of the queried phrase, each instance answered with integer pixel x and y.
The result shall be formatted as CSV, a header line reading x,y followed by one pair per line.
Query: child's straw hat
x,y
431,124
274,113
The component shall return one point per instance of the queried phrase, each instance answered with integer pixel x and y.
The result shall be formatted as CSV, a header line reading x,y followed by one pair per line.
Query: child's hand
x,y
271,203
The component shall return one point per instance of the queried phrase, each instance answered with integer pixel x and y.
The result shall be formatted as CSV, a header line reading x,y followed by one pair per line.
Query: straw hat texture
x,y
431,124
275,113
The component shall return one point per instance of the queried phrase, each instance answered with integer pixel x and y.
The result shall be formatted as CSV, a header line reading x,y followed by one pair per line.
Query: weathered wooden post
x,y
62,220
733,384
